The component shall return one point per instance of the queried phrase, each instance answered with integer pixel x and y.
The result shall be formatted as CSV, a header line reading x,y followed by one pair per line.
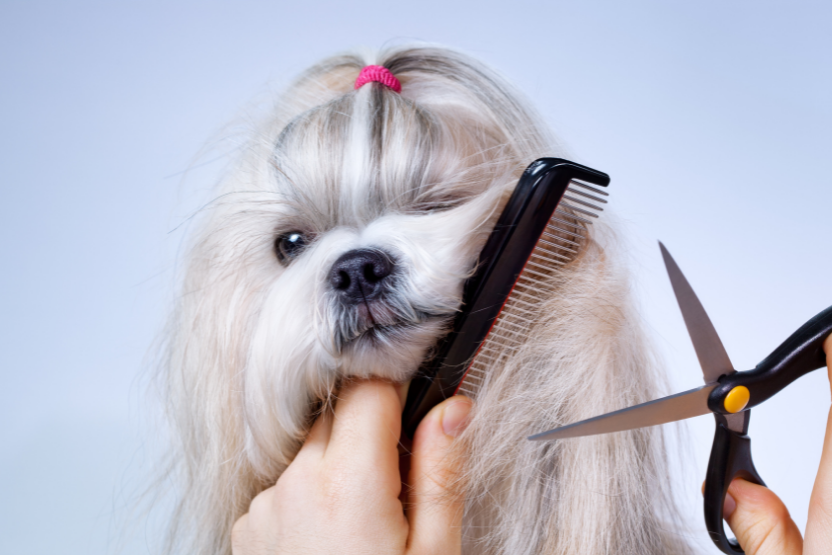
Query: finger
x,y
819,524
827,348
367,415
365,432
434,506
760,521
239,535
318,438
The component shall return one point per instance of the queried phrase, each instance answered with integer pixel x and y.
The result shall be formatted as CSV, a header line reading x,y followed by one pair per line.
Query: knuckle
x,y
444,472
776,512
767,533
239,532
338,483
297,480
262,502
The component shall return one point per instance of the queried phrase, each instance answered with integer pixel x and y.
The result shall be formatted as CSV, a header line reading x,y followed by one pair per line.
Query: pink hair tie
x,y
378,74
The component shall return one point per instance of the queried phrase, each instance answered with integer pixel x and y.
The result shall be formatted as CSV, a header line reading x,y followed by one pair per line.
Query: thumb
x,y
435,508
760,521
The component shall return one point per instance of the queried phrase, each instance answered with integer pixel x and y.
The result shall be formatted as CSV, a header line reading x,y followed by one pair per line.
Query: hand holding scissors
x,y
730,395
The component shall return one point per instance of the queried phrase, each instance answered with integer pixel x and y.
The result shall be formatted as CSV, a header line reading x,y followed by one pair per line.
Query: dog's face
x,y
362,260
366,291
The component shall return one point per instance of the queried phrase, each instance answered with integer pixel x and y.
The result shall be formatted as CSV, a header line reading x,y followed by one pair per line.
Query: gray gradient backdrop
x,y
713,119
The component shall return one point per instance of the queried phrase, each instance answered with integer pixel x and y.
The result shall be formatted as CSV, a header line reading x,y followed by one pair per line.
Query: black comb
x,y
541,228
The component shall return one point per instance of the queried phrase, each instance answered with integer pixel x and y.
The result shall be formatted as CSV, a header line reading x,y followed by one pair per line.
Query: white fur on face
x,y
370,171
304,338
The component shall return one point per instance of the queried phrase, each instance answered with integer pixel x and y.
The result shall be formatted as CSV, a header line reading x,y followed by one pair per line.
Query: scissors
x,y
728,394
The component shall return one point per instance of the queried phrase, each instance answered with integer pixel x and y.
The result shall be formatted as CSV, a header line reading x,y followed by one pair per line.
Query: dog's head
x,y
340,246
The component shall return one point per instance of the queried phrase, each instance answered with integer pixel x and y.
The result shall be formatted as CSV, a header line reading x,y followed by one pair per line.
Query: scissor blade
x,y
661,411
709,349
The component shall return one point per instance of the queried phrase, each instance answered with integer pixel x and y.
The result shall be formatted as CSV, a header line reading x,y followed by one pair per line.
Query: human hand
x,y
762,523
341,494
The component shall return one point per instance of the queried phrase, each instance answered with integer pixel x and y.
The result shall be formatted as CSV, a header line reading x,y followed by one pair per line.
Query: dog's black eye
x,y
289,245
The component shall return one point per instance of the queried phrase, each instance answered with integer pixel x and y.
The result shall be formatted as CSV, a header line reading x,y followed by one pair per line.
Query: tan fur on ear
x,y
256,346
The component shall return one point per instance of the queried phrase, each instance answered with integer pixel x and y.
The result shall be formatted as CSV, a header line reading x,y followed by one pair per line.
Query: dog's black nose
x,y
359,274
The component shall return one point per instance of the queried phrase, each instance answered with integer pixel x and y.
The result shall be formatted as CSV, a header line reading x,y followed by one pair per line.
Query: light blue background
x,y
713,119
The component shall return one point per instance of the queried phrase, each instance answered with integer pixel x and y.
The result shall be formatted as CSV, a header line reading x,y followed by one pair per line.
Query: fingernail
x,y
729,506
455,416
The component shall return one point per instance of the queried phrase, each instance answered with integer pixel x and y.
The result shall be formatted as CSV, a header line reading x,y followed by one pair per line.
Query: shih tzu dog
x,y
337,247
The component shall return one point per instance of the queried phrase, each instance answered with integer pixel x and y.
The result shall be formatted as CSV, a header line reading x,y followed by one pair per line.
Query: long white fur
x,y
256,347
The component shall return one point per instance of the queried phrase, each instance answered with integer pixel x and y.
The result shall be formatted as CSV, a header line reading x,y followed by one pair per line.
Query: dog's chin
x,y
391,351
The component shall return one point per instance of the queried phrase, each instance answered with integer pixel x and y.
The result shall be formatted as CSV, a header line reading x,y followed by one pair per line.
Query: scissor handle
x,y
798,355
730,458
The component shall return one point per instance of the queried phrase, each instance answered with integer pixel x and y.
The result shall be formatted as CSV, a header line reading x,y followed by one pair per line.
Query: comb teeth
x,y
559,244
599,194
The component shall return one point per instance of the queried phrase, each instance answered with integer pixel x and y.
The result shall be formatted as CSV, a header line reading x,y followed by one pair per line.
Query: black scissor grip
x,y
730,458
798,355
